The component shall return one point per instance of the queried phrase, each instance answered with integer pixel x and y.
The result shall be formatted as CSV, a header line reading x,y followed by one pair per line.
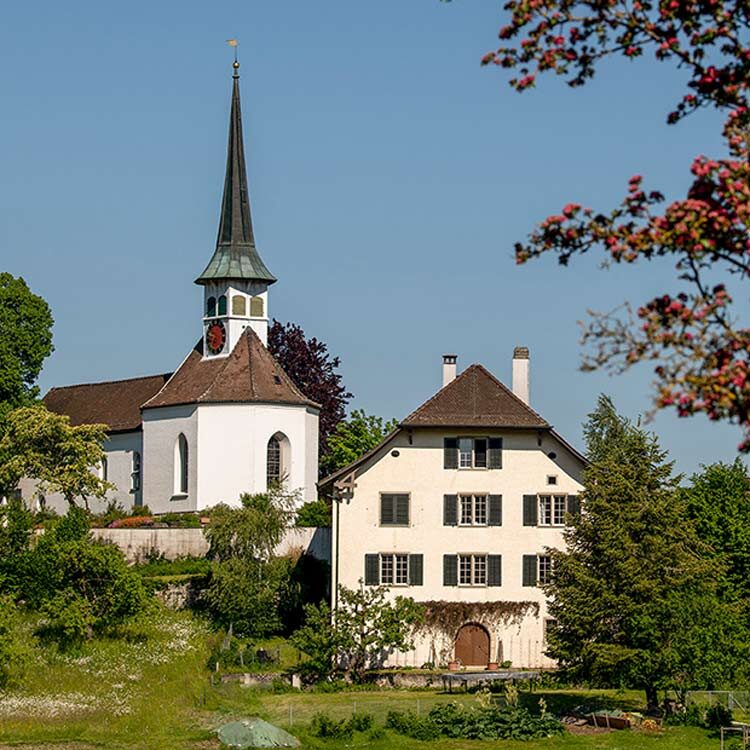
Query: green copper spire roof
x,y
235,256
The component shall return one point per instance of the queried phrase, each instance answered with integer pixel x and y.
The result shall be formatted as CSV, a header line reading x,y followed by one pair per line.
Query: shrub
x,y
314,514
718,716
14,647
180,520
324,726
360,722
482,722
132,522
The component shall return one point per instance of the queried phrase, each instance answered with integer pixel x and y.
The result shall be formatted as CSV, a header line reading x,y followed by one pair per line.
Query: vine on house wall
x,y
448,617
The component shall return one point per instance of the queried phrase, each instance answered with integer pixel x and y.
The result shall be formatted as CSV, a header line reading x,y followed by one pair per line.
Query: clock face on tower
x,y
216,336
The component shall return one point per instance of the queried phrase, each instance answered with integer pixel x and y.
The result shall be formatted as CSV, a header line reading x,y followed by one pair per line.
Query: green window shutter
x,y
494,570
450,453
529,570
450,510
495,454
416,570
450,570
574,505
372,570
530,510
401,510
387,510
495,516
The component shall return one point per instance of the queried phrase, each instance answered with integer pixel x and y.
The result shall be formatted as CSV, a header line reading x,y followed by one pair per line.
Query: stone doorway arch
x,y
472,648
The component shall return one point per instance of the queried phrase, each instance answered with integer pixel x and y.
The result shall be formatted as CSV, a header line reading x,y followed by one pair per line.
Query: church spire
x,y
236,256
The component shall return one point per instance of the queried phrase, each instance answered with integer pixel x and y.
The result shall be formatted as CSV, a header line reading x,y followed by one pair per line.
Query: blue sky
x,y
389,175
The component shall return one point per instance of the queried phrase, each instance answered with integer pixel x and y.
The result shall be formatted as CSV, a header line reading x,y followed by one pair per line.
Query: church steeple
x,y
236,256
236,280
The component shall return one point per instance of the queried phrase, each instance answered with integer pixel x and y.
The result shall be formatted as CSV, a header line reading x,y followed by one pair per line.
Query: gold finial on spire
x,y
235,64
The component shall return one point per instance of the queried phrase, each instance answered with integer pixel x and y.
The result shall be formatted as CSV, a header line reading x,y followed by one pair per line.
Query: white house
x,y
229,419
455,509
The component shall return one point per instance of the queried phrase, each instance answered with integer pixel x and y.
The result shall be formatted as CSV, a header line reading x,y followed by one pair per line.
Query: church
x,y
228,420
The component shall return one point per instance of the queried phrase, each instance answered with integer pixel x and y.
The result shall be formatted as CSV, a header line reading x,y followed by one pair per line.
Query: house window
x,y
223,304
273,462
472,453
103,469
181,465
472,570
544,569
551,479
473,510
394,509
549,626
394,569
135,472
239,305
552,509
211,307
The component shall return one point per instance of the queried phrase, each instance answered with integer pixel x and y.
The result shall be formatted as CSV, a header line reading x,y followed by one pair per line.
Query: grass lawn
x,y
153,692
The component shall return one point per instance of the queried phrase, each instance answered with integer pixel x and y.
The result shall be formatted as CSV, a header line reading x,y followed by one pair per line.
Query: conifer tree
x,y
636,597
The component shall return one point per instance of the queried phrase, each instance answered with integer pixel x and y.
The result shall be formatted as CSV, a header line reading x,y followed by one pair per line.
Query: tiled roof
x,y
116,403
476,398
249,374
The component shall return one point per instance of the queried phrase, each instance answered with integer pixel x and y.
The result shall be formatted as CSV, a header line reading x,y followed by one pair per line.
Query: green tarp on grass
x,y
255,733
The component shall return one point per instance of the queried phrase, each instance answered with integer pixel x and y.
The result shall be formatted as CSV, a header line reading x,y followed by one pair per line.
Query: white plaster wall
x,y
232,445
119,449
161,428
419,471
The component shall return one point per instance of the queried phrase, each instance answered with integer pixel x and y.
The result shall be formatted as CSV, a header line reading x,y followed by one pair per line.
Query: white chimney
x,y
521,373
449,368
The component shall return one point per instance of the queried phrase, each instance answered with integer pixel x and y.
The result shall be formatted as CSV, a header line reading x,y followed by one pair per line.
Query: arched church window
x,y
181,465
239,306
135,472
211,307
273,462
223,304
256,307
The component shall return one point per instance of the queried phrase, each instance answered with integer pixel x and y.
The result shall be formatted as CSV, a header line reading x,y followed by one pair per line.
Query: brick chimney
x,y
521,373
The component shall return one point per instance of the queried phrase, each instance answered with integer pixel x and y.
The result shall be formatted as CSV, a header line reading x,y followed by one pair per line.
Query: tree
x,y
45,447
252,531
701,348
16,529
15,651
718,502
25,342
364,627
636,592
316,513
314,372
353,437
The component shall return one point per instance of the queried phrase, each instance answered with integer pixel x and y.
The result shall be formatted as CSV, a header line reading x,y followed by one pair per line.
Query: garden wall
x,y
138,544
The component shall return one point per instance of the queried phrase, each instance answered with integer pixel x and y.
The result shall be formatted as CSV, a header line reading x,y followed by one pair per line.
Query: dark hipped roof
x,y
116,403
249,374
476,398
236,256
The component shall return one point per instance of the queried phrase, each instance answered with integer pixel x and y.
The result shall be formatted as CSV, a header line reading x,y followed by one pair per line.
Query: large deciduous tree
x,y
45,447
699,343
25,341
636,595
354,437
314,371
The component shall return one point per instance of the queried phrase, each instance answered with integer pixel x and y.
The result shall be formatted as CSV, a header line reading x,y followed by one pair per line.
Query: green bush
x,y
180,520
15,648
718,716
324,726
314,514
159,566
482,722
361,722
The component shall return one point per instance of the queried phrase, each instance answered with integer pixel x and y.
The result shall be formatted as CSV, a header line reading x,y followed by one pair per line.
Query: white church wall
x,y
233,441
119,449
161,430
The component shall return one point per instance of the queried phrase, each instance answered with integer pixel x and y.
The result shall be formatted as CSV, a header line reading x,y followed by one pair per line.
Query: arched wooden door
x,y
473,645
